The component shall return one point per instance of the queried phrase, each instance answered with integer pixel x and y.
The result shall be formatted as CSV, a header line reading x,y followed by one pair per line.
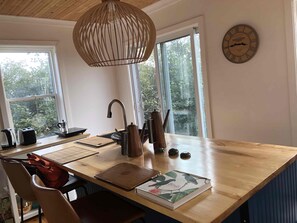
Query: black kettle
x,y
9,139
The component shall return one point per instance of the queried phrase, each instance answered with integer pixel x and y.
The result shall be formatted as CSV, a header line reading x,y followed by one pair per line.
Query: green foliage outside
x,y
181,84
26,75
149,92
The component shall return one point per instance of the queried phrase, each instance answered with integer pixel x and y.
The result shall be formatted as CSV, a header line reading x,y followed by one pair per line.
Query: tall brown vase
x,y
134,141
158,132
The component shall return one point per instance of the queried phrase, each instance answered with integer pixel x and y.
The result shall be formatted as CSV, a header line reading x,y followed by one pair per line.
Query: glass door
x,y
177,85
172,79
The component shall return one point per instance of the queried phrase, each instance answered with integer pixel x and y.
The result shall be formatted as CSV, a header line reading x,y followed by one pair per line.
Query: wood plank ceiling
x,y
56,9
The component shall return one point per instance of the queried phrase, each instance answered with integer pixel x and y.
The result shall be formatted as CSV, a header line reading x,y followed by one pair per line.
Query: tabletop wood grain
x,y
237,171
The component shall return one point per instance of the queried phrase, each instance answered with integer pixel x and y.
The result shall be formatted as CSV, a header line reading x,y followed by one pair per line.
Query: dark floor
x,y
151,215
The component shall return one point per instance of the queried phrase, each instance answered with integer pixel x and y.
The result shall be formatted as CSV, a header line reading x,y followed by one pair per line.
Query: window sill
x,y
41,144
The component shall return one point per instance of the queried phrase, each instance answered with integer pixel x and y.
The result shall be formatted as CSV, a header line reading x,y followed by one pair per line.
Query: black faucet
x,y
109,113
123,135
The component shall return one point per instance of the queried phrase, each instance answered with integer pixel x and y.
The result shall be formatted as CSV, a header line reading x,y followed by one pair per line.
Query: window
x,y
173,78
30,88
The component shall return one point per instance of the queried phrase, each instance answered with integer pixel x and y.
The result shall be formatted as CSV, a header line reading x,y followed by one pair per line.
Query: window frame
x,y
187,28
32,46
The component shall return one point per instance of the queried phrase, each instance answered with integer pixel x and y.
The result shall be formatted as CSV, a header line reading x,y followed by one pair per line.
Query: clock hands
x,y
238,44
238,41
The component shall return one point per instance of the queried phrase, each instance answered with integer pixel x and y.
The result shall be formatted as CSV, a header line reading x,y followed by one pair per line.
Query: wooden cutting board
x,y
95,141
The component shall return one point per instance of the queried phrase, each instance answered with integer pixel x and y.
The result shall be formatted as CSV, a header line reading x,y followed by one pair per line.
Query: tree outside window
x,y
29,89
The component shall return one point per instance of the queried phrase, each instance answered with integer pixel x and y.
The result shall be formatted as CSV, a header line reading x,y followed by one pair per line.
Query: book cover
x,y
173,188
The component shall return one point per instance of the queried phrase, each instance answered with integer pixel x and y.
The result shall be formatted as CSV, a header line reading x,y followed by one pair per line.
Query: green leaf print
x,y
171,174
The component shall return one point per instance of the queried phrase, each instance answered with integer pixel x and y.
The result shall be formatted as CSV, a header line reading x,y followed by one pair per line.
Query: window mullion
x,y
31,98
158,78
137,95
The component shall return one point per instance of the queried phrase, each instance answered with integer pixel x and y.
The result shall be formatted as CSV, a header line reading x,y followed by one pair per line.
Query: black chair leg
x,y
22,211
39,214
67,195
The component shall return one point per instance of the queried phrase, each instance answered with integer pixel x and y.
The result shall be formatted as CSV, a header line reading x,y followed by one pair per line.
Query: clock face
x,y
240,43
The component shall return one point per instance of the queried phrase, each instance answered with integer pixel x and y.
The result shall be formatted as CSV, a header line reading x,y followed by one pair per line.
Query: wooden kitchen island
x,y
237,170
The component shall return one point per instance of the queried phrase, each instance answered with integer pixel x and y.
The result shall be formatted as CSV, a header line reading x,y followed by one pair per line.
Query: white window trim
x,y
36,46
172,32
135,82
290,8
197,93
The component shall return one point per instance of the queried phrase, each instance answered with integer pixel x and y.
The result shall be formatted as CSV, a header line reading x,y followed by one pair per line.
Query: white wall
x,y
87,91
248,101
125,92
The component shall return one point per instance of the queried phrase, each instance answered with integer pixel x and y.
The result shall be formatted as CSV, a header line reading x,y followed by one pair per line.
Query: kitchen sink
x,y
116,136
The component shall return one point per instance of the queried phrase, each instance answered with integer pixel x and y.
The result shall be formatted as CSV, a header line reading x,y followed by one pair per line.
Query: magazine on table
x,y
173,188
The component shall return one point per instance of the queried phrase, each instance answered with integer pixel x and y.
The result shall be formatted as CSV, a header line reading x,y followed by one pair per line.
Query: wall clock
x,y
240,43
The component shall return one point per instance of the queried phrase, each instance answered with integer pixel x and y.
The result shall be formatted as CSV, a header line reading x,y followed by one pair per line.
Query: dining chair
x,y
20,179
101,206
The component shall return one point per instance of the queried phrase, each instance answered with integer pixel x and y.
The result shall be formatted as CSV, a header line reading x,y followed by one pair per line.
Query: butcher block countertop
x,y
237,171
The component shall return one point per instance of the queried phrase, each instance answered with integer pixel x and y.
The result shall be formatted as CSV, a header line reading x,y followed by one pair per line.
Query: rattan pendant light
x,y
114,33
